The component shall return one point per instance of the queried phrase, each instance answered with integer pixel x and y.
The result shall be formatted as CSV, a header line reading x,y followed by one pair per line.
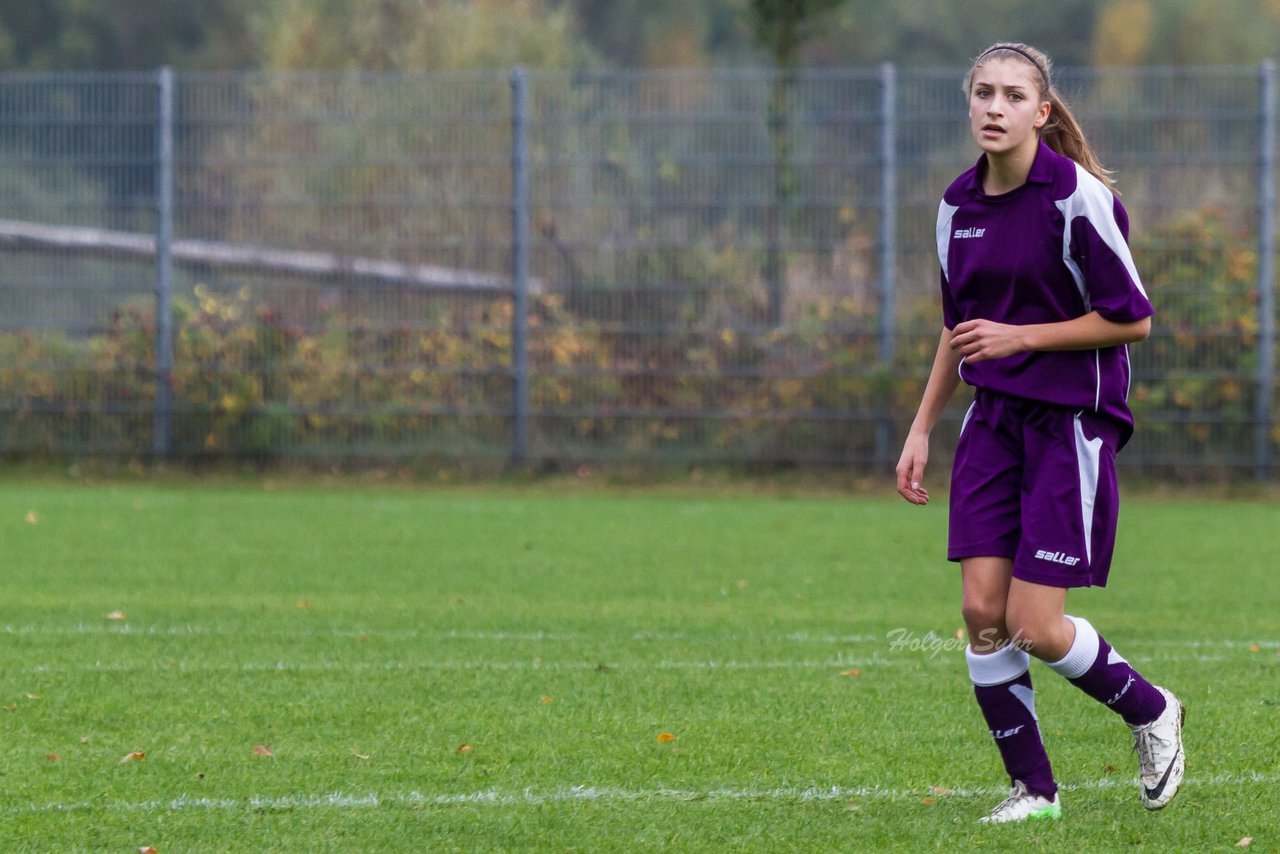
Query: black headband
x,y
1021,52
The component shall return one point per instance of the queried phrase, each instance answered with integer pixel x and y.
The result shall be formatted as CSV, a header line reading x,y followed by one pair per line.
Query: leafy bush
x,y
1194,381
265,376
246,381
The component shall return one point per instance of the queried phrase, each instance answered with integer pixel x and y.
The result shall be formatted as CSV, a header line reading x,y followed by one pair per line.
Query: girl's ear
x,y
1042,117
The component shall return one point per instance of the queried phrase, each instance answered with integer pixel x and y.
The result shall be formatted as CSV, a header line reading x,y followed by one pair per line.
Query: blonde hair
x,y
1062,133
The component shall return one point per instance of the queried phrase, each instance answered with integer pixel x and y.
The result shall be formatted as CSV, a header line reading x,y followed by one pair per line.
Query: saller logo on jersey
x,y
1057,557
962,233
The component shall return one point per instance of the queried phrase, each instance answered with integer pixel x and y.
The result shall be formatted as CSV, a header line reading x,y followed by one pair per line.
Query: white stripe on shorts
x,y
1089,459
968,413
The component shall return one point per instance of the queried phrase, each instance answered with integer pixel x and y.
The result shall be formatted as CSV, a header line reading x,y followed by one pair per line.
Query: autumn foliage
x,y
272,373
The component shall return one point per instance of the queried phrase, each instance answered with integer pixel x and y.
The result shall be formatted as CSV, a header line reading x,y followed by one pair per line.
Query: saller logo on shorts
x,y
962,233
1057,557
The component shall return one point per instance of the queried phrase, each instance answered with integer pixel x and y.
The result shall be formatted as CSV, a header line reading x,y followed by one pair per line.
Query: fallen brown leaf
x,y
148,849
115,615
852,672
31,517
53,757
546,699
929,801
136,756
1110,769
466,748
666,737
31,696
359,755
303,605
1254,648
939,790
262,750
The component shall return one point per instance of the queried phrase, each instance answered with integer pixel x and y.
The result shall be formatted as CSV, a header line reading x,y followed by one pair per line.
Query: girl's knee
x,y
1044,636
983,613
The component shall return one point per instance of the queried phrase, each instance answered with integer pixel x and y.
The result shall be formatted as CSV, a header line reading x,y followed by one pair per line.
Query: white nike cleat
x,y
1021,805
1161,760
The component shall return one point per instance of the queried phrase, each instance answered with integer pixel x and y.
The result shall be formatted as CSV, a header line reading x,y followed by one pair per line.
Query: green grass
x,y
365,635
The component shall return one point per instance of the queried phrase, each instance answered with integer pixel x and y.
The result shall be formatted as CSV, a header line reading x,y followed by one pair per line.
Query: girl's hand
x,y
979,340
915,455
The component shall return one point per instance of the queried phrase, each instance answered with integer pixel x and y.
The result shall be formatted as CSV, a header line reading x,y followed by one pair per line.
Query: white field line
x,y
193,630
426,664
532,665
596,794
196,630
185,630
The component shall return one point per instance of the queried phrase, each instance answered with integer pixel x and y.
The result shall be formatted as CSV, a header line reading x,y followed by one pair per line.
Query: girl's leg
x,y
1001,679
1072,648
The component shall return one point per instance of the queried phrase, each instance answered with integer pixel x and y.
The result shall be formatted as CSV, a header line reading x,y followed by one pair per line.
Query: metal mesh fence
x,y
725,297
384,326
75,150
720,265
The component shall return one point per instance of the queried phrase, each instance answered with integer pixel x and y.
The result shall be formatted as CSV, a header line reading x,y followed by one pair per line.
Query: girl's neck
x,y
1008,170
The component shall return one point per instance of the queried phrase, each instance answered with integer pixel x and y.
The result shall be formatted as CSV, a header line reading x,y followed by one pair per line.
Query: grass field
x,y
359,669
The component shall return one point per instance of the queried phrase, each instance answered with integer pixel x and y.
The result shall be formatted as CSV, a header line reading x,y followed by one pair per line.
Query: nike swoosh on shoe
x,y
1153,794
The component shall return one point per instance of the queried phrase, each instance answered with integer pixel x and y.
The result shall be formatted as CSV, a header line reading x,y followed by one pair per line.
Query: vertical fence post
x,y
1266,275
888,251
520,264
163,417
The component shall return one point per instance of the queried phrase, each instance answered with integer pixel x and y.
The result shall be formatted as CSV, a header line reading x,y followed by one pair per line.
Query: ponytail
x,y
1062,133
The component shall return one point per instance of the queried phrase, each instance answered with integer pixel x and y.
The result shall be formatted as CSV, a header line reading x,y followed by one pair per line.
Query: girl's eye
x,y
1014,96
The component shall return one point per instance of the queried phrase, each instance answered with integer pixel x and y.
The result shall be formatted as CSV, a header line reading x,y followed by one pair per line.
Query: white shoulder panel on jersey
x,y
945,213
1093,201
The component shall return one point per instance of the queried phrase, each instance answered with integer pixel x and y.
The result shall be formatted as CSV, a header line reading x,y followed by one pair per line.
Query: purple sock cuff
x,y
1083,652
997,668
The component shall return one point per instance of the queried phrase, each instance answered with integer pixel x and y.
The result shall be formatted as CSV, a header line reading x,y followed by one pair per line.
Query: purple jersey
x,y
1054,249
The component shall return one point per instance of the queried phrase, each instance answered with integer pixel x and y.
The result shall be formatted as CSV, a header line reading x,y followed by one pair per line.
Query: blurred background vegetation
x,y
463,34
692,306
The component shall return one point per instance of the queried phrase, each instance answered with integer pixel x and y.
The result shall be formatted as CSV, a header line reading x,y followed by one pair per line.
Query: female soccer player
x,y
1040,302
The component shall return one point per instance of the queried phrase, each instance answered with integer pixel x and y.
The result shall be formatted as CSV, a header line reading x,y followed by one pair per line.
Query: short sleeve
x,y
1100,251
950,313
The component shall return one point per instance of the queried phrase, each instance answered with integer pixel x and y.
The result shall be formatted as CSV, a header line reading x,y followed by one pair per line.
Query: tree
x,y
782,27
107,35
416,35
665,33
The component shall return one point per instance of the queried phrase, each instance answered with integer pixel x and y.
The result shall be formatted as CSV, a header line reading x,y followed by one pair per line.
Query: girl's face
x,y
1005,109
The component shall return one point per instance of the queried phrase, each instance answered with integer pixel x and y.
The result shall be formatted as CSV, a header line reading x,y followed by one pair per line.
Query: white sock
x,y
997,668
1084,649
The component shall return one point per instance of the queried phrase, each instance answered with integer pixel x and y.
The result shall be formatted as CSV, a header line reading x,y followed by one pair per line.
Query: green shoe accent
x,y
1052,811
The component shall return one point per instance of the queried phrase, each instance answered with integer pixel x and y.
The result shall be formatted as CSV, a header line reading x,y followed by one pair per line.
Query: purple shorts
x,y
1036,483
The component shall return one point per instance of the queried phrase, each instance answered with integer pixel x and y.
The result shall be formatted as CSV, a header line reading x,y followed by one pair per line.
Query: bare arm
x,y
943,379
977,340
